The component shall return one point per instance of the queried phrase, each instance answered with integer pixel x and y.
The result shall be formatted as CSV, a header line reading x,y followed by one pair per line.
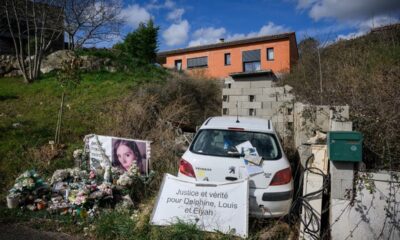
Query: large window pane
x,y
197,62
251,56
252,66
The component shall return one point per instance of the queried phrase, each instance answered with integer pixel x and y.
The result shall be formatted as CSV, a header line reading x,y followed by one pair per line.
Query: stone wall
x,y
8,66
55,61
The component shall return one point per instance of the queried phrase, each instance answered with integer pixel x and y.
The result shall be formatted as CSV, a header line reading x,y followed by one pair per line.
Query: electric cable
x,y
311,219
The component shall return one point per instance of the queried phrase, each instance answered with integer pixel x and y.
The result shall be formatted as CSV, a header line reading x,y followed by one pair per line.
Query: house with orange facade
x,y
275,54
249,68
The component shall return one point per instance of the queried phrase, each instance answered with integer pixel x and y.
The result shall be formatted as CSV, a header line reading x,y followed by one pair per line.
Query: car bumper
x,y
271,202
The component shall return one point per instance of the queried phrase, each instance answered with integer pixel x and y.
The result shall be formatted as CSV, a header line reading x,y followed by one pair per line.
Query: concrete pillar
x,y
342,173
342,177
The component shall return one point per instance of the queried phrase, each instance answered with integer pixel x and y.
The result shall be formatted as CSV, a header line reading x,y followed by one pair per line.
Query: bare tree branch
x,y
33,22
90,21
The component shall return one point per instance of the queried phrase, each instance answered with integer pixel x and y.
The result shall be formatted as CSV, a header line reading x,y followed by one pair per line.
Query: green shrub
x,y
142,44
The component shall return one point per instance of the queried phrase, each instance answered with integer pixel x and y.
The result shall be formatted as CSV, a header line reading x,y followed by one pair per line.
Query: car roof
x,y
247,123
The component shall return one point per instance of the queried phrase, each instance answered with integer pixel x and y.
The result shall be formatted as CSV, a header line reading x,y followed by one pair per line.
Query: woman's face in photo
x,y
125,156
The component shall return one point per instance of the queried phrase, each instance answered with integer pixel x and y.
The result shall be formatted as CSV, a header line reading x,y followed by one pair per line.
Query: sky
x,y
185,23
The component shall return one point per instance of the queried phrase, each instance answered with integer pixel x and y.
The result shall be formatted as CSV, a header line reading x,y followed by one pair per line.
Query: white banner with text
x,y
211,206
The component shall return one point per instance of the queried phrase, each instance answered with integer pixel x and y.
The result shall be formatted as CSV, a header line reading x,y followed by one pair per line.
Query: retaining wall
x,y
259,97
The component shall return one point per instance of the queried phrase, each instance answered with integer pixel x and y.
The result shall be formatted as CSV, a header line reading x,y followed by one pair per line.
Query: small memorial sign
x,y
211,206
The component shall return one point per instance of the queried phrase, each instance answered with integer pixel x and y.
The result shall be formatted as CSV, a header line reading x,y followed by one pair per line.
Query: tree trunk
x,y
33,21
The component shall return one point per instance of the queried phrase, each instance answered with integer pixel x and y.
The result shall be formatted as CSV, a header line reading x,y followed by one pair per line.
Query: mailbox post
x,y
345,146
344,149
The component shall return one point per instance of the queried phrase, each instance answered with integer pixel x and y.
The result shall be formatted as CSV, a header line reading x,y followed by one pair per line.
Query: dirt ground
x,y
18,231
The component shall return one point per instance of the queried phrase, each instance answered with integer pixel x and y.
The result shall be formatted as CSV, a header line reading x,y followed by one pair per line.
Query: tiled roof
x,y
226,44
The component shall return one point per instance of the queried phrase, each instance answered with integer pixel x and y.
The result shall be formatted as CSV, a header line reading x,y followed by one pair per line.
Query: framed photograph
x,y
127,152
122,153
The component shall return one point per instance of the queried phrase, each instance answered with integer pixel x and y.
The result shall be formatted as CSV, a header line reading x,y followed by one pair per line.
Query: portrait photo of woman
x,y
127,152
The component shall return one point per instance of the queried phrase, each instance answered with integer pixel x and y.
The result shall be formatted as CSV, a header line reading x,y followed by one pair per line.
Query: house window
x,y
197,62
225,111
225,98
251,60
270,54
251,98
252,66
252,112
227,58
178,65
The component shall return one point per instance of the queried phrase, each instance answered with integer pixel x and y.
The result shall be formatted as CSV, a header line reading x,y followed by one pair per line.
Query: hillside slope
x,y
137,106
363,73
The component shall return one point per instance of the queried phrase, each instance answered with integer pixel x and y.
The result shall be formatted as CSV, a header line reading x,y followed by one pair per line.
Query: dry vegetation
x,y
152,107
363,73
156,112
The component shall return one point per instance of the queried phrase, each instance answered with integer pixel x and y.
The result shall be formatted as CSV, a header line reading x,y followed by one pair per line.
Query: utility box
x,y
345,146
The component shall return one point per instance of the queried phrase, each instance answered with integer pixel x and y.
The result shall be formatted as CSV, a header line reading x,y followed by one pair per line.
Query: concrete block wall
x,y
373,214
309,118
261,98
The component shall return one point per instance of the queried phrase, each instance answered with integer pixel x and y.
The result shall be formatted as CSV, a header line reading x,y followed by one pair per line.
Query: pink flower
x,y
92,174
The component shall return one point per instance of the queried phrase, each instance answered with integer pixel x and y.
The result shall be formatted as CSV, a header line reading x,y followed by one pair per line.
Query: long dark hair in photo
x,y
133,146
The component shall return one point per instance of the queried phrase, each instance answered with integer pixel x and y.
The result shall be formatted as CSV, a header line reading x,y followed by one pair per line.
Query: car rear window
x,y
223,142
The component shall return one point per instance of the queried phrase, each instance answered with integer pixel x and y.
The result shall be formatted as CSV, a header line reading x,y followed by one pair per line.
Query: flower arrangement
x,y
127,178
27,181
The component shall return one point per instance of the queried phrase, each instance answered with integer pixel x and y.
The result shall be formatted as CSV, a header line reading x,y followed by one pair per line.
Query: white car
x,y
214,156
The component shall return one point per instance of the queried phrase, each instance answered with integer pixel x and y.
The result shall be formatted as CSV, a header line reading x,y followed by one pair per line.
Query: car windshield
x,y
225,143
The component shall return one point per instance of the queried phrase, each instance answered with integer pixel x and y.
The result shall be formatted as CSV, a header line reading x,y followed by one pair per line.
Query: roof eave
x,y
226,44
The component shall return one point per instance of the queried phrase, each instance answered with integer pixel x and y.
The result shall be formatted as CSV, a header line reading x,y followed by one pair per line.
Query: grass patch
x,y
28,117
115,225
42,220
141,103
178,231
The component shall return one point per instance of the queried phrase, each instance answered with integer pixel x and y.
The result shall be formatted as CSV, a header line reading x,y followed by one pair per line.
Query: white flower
x,y
77,153
25,175
133,171
124,180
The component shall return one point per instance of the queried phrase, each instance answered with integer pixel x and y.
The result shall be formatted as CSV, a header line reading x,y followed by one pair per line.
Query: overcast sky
x,y
186,23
